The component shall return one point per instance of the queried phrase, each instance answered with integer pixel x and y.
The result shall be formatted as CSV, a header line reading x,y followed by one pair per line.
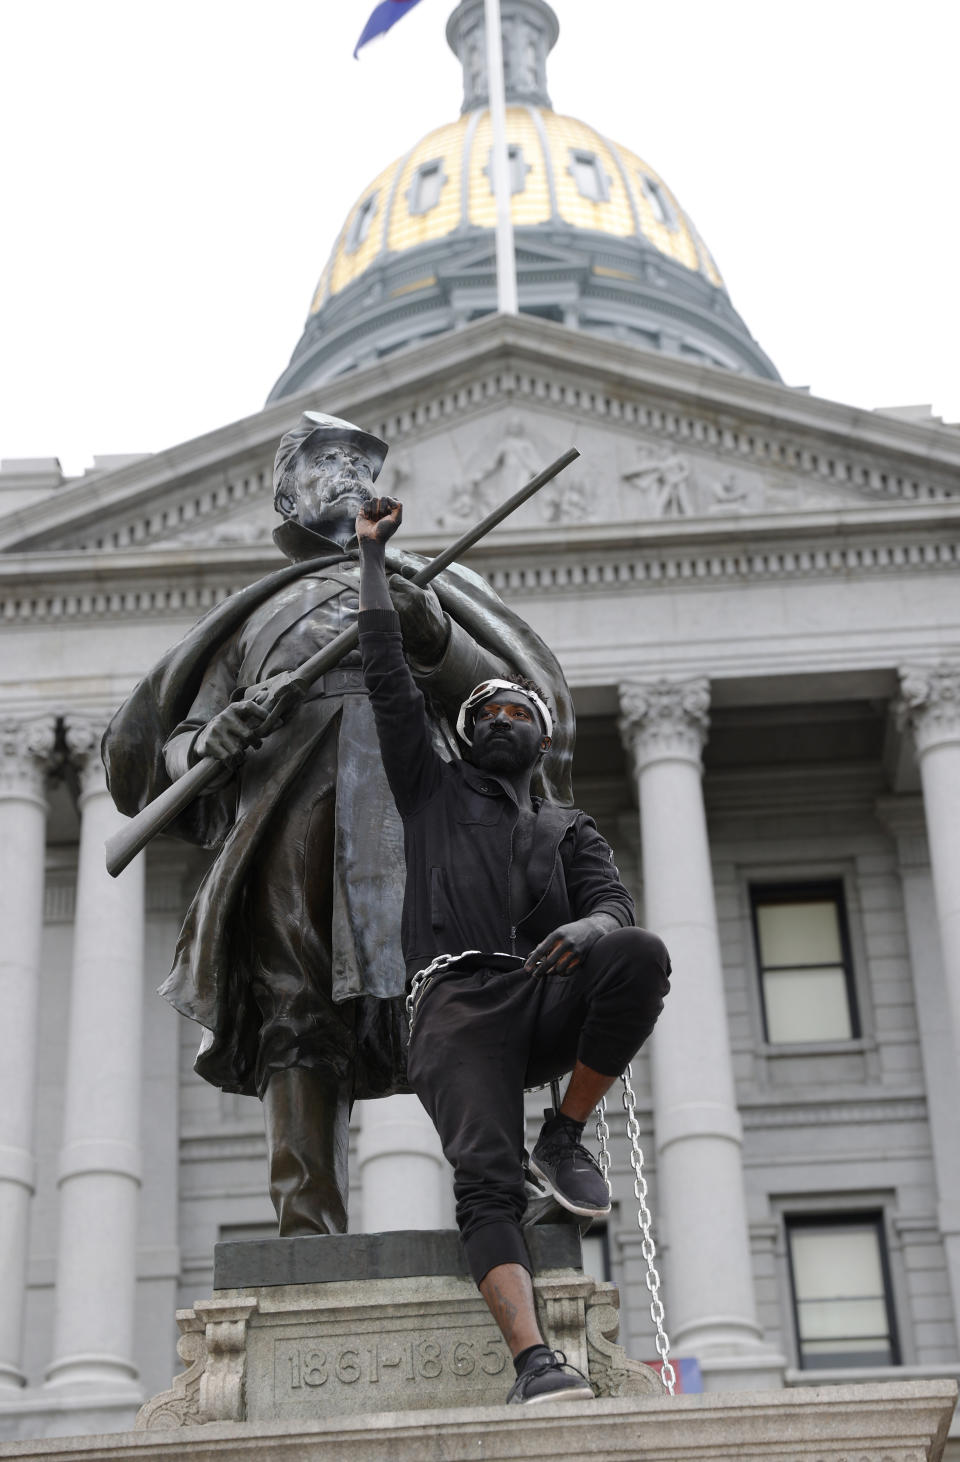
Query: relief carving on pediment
x,y
494,474
665,483
568,499
728,493
662,481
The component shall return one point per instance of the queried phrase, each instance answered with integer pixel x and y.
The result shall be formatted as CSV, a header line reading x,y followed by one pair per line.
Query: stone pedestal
x,y
377,1348
901,1422
293,1338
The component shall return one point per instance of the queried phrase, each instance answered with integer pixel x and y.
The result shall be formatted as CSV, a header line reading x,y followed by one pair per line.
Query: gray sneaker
x,y
571,1173
549,1378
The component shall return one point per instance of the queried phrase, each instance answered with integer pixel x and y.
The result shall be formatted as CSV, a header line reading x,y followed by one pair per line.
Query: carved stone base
x,y
394,1342
898,1422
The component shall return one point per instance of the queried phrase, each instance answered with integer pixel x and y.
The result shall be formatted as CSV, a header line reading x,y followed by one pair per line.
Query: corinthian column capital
x,y
26,754
929,704
82,735
663,719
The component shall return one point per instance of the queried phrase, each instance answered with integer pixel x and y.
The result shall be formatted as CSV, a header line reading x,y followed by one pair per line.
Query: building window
x,y
360,226
842,1304
424,191
517,169
589,176
803,955
659,202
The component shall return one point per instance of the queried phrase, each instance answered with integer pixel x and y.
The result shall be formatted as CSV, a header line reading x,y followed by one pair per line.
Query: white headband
x,y
484,692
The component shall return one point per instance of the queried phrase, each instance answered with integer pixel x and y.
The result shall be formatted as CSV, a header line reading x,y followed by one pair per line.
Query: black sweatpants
x,y
480,1037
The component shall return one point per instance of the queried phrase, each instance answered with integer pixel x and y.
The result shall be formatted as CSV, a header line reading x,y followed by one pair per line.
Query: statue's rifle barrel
x,y
137,833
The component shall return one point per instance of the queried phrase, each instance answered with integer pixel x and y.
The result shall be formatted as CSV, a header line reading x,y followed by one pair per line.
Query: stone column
x,y
26,744
404,1176
904,817
99,1175
930,706
699,1186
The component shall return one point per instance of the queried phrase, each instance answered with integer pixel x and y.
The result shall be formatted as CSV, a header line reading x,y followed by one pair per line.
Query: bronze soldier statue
x,y
289,956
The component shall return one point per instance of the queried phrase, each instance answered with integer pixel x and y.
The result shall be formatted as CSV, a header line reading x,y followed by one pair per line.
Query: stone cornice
x,y
737,418
73,586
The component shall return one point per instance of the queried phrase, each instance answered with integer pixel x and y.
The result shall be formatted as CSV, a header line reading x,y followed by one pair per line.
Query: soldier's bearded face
x,y
333,482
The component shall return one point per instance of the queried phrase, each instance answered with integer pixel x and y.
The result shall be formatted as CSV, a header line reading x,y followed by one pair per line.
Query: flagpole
x,y
506,258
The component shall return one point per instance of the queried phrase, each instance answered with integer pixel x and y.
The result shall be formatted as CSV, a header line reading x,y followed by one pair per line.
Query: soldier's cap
x,y
487,691
317,424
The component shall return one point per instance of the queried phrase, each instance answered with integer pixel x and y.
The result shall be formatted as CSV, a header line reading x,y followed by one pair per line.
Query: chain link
x,y
648,1248
421,980
603,1141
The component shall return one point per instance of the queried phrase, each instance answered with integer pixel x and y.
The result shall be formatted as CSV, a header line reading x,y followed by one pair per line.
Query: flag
x,y
382,17
687,1371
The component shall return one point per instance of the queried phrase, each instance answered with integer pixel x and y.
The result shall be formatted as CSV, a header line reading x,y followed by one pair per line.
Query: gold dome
x,y
602,244
563,173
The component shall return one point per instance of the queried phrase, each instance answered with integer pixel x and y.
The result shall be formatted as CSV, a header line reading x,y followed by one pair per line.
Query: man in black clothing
x,y
522,954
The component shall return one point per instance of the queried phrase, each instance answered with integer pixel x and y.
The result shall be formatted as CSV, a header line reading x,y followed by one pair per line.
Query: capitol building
x,y
753,594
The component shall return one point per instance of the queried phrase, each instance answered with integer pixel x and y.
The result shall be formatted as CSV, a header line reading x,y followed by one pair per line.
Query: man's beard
x,y
500,753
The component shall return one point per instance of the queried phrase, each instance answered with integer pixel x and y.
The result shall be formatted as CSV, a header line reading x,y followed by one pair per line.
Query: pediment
x,y
212,489
472,415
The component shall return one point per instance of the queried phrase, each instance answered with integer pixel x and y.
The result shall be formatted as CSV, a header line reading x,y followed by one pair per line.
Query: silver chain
x,y
603,1140
648,1248
420,981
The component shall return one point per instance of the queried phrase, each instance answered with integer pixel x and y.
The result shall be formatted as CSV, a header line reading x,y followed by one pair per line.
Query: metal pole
x,y
506,258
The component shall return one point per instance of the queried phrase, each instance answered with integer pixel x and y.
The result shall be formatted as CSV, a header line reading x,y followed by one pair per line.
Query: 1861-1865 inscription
x,y
305,1364
383,1372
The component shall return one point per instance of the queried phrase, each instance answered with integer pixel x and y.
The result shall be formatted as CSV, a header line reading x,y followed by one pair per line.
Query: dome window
x,y
516,168
659,202
590,178
360,226
424,192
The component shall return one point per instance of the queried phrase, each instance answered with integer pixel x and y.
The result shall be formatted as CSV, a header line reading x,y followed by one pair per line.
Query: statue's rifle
x,y
285,692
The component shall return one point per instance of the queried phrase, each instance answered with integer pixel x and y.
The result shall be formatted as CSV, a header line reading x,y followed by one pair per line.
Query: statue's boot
x,y
307,1116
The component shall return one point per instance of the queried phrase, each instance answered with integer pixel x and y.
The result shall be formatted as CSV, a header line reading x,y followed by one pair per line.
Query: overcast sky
x,y
173,176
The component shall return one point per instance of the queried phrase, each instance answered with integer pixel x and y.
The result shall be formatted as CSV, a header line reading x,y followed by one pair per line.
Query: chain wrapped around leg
x,y
648,1248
